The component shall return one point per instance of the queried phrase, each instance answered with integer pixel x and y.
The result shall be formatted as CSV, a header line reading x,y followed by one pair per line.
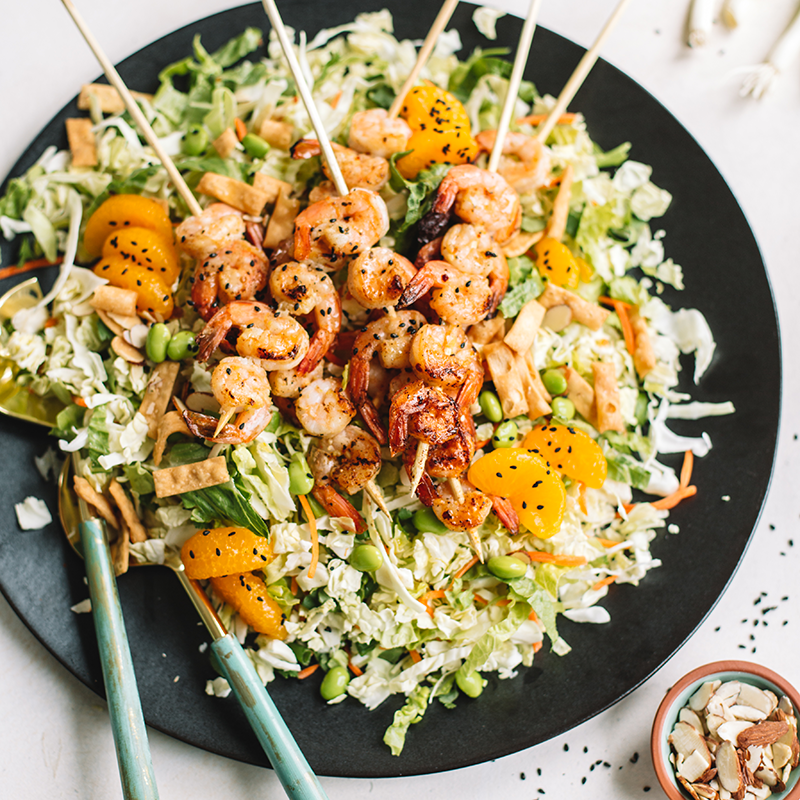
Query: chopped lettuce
x,y
496,636
411,713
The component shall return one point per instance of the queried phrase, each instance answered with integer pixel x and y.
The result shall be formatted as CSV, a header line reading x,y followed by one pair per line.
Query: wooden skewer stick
x,y
439,24
305,94
521,59
144,126
373,490
418,468
458,492
579,76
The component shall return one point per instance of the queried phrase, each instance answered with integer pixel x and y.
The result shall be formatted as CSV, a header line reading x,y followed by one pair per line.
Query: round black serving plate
x,y
725,278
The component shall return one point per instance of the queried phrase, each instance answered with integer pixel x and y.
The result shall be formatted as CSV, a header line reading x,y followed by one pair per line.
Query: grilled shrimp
x,y
462,514
373,131
301,288
273,339
457,297
443,356
358,169
391,338
235,270
424,412
200,235
349,460
289,382
340,227
241,388
481,197
474,251
529,169
323,408
376,278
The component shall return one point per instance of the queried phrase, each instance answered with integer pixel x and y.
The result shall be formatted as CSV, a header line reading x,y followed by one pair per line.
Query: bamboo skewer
x,y
579,75
144,126
439,24
458,492
520,61
373,490
418,468
305,94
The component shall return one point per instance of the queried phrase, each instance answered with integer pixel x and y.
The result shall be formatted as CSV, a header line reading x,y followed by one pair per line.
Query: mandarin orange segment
x,y
153,294
214,552
437,146
248,594
124,211
148,249
429,106
534,488
556,263
570,451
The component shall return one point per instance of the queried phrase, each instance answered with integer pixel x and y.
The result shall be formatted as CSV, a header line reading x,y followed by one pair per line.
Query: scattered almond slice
x,y
699,700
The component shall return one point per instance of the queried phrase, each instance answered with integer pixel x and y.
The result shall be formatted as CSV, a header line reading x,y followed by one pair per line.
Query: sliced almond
x,y
748,713
688,787
692,718
728,690
781,754
785,705
767,776
713,721
202,402
729,772
126,351
695,765
729,731
705,791
762,733
699,700
557,318
752,696
686,739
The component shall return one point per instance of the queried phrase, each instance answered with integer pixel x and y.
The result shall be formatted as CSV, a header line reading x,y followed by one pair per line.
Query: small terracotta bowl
x,y
678,696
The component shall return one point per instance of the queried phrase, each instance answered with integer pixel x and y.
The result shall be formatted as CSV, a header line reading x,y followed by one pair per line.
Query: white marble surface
x,y
54,736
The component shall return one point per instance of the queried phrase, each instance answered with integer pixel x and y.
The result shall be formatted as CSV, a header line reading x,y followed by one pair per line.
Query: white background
x,y
55,739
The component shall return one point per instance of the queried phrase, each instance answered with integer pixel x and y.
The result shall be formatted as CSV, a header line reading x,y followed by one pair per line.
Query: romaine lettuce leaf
x,y
412,712
495,636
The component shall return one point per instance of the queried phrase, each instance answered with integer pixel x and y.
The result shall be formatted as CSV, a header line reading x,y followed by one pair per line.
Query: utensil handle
x,y
288,762
124,705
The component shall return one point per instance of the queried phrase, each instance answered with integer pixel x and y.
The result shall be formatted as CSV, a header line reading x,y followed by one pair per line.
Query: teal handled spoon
x,y
124,706
276,739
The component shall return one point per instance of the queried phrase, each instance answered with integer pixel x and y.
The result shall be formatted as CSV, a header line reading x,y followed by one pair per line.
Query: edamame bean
x,y
334,683
505,435
301,481
181,345
563,407
490,405
425,521
158,338
195,141
471,683
255,145
506,567
366,558
554,381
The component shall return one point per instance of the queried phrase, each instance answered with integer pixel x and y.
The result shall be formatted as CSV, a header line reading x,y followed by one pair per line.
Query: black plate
x,y
725,278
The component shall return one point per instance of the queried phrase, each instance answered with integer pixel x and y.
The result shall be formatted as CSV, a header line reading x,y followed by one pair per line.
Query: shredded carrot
x,y
79,401
624,320
241,129
312,523
686,469
582,496
670,501
433,594
532,616
607,542
503,602
537,646
604,582
51,322
354,669
559,559
482,444
468,566
538,119
479,599
415,656
7,272
293,586
335,102
304,673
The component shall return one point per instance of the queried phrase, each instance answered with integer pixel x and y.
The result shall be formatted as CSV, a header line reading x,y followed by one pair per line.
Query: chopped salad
x,y
398,431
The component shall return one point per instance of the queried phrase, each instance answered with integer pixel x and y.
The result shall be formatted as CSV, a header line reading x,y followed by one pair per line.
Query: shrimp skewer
x,y
377,132
301,289
323,409
377,278
360,170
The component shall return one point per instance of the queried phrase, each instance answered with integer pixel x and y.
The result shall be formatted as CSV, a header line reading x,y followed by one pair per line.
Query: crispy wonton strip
x,y
108,98
521,243
121,550
644,359
589,314
525,327
129,515
226,142
506,378
190,477
86,492
158,394
81,142
114,300
276,134
537,405
606,398
281,221
557,225
171,422
487,330
272,187
581,393
242,196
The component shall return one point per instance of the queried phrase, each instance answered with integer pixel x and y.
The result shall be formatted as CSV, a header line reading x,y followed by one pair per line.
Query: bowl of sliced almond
x,y
728,731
